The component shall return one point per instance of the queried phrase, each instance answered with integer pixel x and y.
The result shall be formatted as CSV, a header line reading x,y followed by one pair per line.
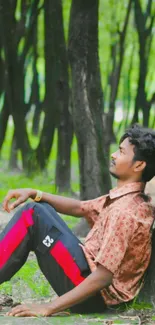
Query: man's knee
x,y
27,206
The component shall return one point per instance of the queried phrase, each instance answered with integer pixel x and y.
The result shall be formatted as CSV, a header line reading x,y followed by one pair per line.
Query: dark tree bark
x,y
147,293
65,125
35,96
36,119
53,65
35,100
2,75
128,91
63,163
14,69
145,37
51,77
13,161
4,116
87,100
117,57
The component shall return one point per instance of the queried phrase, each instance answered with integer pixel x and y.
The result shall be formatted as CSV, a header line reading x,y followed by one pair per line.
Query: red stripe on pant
x,y
67,263
15,236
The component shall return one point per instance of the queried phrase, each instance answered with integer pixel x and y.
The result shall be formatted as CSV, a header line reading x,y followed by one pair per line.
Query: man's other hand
x,y
20,195
30,310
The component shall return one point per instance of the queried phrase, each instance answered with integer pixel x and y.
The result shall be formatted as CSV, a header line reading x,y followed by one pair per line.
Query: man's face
x,y
122,165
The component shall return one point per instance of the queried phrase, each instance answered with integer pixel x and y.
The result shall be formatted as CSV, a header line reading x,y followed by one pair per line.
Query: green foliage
x,y
141,305
43,180
66,14
29,279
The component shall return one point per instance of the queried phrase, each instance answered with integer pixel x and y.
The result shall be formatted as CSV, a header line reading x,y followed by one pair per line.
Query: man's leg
x,y
59,255
15,242
38,227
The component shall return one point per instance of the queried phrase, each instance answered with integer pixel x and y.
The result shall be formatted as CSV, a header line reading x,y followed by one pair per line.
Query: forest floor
x,y
23,293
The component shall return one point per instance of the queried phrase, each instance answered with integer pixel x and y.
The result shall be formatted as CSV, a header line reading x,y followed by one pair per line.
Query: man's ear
x,y
139,166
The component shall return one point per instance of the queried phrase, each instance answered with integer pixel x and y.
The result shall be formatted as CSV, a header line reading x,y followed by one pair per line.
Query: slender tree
x,y
144,20
57,96
13,32
116,58
65,125
87,98
147,293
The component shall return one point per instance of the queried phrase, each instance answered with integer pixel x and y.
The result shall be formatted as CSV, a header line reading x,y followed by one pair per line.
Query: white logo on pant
x,y
48,241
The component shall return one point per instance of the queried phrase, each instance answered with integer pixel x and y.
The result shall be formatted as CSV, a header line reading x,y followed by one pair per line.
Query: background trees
x,y
81,69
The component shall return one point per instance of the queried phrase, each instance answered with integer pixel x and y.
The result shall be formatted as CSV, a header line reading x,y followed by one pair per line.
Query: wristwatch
x,y
38,196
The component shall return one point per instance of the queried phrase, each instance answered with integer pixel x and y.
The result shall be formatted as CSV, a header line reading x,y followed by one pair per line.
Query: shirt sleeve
x,y
118,232
92,208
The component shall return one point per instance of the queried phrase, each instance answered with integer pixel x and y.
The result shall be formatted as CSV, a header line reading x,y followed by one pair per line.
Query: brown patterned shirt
x,y
120,239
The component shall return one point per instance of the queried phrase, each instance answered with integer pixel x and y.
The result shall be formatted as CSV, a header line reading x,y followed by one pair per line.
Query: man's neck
x,y
125,182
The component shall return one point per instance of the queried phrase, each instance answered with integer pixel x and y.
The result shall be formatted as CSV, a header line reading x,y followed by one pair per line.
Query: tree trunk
x,y
4,116
2,75
87,99
117,57
13,161
141,101
65,125
35,96
63,164
14,69
35,100
147,293
144,31
36,120
53,66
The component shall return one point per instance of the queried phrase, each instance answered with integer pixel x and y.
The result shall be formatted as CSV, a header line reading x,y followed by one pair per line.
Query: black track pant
x,y
37,227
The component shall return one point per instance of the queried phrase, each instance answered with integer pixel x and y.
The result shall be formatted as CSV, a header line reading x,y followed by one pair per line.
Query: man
x,y
108,268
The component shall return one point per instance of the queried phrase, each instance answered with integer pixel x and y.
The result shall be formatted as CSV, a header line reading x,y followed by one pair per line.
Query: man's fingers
x,y
17,310
8,207
5,201
14,310
21,311
16,203
26,314
10,195
31,310
20,196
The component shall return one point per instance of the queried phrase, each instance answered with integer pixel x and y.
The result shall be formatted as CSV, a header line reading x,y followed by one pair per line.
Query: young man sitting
x,y
108,268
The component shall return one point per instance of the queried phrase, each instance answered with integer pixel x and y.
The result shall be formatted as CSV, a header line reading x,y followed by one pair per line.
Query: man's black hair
x,y
143,140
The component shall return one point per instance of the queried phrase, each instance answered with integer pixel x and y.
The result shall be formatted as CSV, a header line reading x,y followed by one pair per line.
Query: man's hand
x,y
30,310
96,281
59,203
20,195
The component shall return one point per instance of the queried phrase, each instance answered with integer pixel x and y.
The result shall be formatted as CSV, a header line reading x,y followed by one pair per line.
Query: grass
x,y
28,283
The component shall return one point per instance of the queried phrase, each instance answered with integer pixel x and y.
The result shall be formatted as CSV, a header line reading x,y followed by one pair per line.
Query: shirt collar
x,y
125,189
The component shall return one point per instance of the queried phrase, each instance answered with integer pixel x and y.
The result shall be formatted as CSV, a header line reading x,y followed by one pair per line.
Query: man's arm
x,y
61,204
96,281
